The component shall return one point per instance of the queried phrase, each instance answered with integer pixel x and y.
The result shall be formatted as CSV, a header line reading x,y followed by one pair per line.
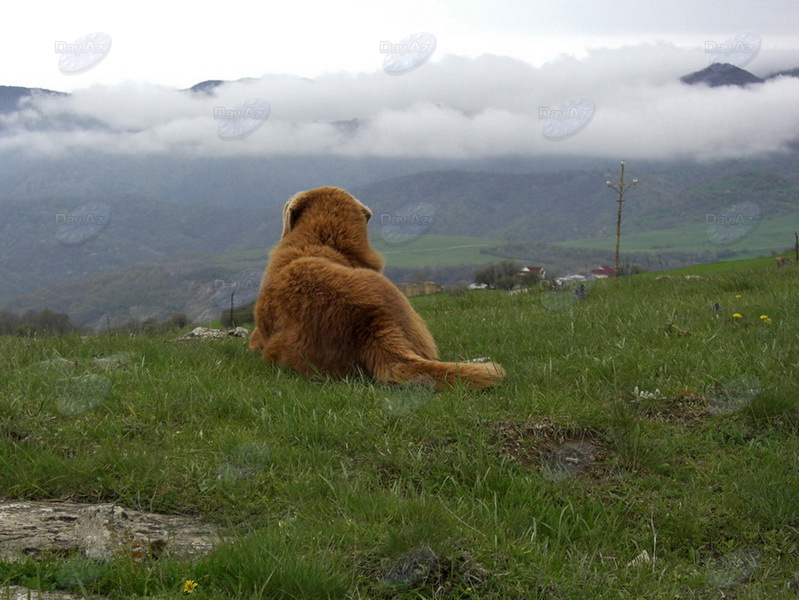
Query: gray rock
x,y
23,593
98,531
206,333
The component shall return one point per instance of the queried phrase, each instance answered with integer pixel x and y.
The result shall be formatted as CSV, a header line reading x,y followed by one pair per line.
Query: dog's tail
x,y
444,374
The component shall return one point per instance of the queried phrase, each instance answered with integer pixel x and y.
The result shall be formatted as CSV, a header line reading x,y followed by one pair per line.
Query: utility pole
x,y
620,187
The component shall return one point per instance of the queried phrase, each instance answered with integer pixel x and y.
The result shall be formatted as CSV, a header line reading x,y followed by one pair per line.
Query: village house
x,y
569,279
536,270
603,272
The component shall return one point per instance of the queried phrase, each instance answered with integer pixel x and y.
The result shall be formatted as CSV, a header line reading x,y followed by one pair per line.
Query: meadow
x,y
437,251
428,251
770,233
643,445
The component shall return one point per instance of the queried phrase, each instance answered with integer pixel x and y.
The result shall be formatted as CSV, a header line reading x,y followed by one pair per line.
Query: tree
x,y
8,322
241,314
529,279
632,269
502,275
150,325
32,323
177,321
51,323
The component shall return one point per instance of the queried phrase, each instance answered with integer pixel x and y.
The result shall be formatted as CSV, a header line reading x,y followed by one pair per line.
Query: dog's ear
x,y
291,212
366,211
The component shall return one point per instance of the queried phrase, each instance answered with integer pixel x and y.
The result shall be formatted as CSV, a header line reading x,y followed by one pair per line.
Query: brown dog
x,y
324,307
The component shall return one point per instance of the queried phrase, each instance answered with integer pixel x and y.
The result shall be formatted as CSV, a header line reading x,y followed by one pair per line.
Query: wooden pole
x,y
620,189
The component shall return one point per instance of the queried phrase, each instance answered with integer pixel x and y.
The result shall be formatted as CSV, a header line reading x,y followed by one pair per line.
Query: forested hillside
x,y
151,258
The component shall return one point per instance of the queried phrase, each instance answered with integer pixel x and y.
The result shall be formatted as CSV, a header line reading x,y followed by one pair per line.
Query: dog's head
x,y
331,217
335,203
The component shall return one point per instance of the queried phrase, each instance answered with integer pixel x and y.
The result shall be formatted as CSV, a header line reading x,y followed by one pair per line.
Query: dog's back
x,y
325,308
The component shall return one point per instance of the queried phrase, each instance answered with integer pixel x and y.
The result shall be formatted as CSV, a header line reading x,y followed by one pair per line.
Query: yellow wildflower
x,y
766,318
737,315
189,586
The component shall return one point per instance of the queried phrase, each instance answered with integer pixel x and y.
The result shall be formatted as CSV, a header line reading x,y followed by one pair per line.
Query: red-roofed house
x,y
603,272
538,270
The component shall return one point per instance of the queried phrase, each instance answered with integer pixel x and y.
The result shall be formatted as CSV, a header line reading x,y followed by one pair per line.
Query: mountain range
x,y
717,74
155,258
110,237
721,74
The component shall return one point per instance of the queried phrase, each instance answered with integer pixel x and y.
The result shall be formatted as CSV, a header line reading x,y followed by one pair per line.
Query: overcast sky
x,y
489,77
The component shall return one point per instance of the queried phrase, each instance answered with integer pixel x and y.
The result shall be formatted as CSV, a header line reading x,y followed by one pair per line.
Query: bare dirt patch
x,y
558,451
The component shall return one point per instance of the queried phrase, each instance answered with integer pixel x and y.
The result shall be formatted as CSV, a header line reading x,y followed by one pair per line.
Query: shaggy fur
x,y
324,307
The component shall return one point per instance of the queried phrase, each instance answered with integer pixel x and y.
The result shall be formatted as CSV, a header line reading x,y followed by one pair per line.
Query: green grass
x,y
256,255
775,233
436,251
424,251
419,255
546,487
738,270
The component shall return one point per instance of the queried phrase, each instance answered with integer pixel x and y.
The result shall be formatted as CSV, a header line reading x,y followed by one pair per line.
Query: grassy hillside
x,y
691,222
562,221
136,230
190,284
643,445
436,251
577,205
725,268
772,233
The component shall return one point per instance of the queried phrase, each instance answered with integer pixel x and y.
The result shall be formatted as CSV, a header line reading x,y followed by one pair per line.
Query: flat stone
x,y
207,333
98,531
23,593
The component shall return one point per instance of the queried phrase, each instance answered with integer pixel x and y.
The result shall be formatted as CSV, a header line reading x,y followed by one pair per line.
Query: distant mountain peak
x,y
786,73
206,87
10,96
720,74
